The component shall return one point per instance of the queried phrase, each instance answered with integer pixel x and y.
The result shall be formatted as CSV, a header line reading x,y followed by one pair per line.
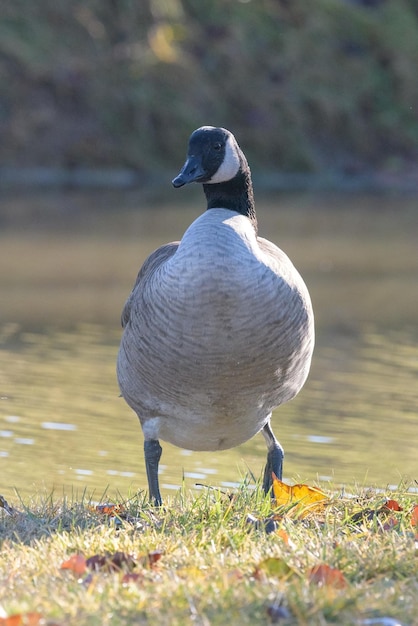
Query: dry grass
x,y
213,568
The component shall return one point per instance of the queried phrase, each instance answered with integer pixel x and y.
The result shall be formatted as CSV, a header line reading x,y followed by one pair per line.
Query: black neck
x,y
235,194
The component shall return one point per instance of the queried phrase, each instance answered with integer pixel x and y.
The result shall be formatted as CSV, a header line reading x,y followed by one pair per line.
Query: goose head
x,y
213,157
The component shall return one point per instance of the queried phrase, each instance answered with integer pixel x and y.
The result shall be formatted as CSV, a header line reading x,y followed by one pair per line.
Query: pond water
x,y
63,426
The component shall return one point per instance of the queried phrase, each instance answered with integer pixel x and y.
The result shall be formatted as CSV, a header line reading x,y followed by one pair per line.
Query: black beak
x,y
191,172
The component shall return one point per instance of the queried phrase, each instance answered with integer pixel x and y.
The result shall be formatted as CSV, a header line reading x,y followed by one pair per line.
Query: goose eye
x,y
217,146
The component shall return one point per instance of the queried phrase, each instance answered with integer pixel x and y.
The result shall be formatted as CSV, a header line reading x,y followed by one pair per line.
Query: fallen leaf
x,y
97,561
306,499
324,575
110,509
370,515
393,505
12,620
76,563
132,577
154,556
22,619
111,562
272,566
283,535
32,619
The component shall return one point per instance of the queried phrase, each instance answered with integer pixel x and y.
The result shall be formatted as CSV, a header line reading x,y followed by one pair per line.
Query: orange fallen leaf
x,y
283,535
326,576
22,619
76,563
12,620
393,505
110,509
306,499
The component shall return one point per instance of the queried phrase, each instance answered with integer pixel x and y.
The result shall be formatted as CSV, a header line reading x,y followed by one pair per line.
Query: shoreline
x,y
85,178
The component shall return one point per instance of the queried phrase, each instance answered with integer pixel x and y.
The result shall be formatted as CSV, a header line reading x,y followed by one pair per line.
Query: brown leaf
x,y
324,575
76,563
154,556
111,562
96,562
132,577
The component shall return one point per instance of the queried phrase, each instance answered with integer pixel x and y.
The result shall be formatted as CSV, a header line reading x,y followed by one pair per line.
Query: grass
x,y
215,567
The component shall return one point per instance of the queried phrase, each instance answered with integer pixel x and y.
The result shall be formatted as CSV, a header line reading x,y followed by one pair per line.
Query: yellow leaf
x,y
272,566
302,498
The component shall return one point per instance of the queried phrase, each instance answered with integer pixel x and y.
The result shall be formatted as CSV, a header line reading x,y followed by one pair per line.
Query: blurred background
x,y
97,101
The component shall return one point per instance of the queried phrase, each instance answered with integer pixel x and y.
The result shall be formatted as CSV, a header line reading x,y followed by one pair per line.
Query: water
x,y
63,426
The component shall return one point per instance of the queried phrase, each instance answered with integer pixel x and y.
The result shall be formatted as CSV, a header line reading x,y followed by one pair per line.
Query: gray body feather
x,y
218,331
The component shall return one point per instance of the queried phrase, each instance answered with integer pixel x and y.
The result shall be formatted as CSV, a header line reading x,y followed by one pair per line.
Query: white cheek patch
x,y
230,165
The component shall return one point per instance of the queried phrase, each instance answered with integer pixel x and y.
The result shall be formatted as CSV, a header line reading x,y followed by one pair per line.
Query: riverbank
x,y
14,179
209,561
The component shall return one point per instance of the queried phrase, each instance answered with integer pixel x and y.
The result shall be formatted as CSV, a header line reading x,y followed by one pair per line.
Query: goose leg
x,y
275,457
152,452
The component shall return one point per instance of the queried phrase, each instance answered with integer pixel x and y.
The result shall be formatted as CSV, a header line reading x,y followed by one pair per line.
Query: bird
x,y
218,330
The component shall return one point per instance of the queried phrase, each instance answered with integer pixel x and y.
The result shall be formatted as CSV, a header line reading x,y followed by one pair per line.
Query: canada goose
x,y
218,329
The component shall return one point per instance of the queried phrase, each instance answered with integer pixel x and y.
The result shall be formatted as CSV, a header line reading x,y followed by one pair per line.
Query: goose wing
x,y
153,262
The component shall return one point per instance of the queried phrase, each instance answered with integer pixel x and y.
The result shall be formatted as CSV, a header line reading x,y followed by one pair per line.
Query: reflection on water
x,y
63,425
